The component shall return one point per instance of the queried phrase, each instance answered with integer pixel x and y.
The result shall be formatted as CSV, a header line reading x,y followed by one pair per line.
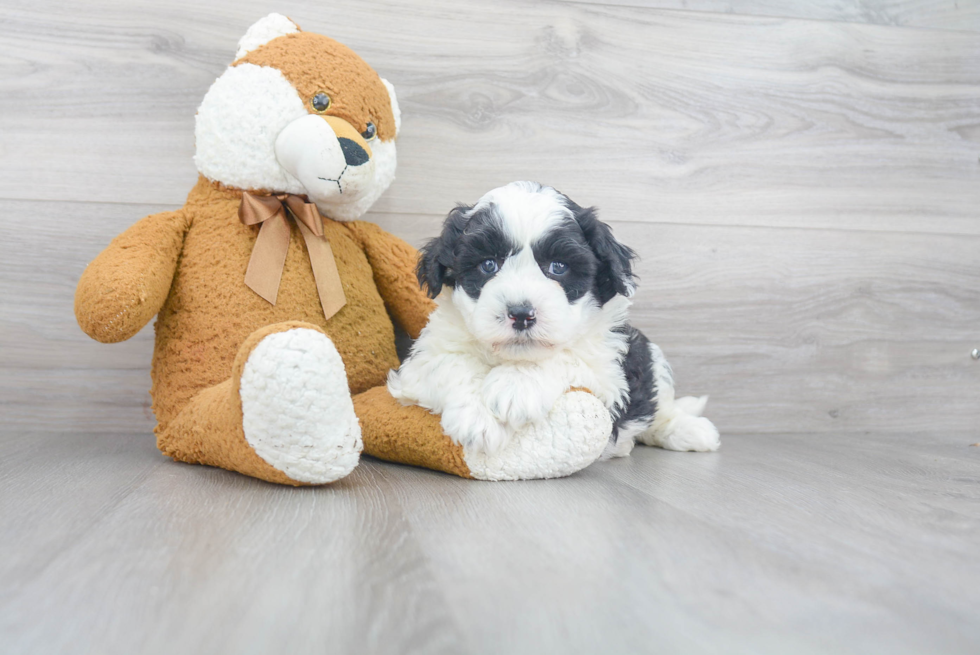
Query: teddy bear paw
x,y
571,437
297,411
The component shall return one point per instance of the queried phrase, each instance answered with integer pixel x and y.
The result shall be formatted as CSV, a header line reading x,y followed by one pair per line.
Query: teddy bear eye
x,y
320,102
370,132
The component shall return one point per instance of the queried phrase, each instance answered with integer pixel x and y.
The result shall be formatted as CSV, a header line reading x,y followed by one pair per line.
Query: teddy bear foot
x,y
297,412
572,436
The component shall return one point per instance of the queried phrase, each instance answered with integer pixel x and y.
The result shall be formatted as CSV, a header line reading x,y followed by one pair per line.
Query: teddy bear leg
x,y
284,416
573,436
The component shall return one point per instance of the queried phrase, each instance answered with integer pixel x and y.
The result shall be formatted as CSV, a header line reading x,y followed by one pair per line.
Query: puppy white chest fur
x,y
484,397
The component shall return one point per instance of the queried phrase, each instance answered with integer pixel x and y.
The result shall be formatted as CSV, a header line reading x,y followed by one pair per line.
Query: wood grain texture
x,y
783,543
672,116
936,14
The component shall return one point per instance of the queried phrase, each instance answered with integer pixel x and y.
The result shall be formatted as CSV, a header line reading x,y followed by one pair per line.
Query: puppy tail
x,y
678,423
683,431
692,405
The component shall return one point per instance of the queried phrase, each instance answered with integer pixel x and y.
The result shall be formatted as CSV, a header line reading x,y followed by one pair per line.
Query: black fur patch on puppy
x,y
468,240
615,270
567,244
638,367
434,268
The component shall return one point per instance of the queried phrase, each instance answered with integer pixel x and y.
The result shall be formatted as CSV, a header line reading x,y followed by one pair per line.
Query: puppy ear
x,y
436,257
615,272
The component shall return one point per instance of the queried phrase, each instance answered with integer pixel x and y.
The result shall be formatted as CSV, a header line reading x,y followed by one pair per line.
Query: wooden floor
x,y
802,182
777,544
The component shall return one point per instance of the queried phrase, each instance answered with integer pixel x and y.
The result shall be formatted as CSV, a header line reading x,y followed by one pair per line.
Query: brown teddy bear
x,y
273,334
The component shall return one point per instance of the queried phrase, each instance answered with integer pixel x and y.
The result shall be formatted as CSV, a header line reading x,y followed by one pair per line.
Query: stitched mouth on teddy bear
x,y
340,188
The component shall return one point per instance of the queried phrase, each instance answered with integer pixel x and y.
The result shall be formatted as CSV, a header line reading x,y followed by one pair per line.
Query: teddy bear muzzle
x,y
328,157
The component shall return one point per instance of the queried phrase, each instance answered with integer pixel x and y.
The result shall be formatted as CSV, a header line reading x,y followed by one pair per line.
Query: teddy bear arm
x,y
393,263
127,284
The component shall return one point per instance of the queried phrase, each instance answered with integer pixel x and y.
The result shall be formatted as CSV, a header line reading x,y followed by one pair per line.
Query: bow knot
x,y
269,252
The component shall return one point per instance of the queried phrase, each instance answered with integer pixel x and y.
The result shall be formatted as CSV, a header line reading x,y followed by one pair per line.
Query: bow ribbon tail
x,y
268,257
328,284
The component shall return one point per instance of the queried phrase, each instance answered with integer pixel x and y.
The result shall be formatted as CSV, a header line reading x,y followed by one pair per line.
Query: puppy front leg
x,y
519,394
469,423
449,384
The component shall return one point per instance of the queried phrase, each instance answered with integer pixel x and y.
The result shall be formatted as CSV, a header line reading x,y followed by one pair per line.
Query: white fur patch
x,y
264,30
527,209
625,439
573,437
297,410
678,430
394,105
237,125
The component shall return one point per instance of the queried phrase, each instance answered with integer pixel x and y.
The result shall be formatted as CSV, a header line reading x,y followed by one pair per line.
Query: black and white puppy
x,y
532,296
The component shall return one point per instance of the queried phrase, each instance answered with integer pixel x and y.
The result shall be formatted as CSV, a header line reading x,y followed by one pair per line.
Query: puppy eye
x,y
558,268
489,267
370,132
320,102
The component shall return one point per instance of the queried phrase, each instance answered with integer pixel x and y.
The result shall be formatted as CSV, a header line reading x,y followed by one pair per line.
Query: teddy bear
x,y
275,305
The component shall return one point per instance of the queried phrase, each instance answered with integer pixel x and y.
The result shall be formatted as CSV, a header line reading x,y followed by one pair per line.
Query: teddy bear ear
x,y
266,29
394,105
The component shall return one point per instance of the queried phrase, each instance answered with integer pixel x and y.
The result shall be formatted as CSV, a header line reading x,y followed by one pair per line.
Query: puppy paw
x,y
474,427
517,400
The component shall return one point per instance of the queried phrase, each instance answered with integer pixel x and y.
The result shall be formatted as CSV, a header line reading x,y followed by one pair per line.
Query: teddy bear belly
x,y
210,313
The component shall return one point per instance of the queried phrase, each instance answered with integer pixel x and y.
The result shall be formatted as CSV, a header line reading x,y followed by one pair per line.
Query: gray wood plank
x,y
679,558
936,14
804,543
51,373
139,550
858,509
661,115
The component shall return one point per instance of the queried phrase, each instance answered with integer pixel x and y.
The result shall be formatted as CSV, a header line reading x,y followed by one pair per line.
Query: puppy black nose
x,y
522,315
354,154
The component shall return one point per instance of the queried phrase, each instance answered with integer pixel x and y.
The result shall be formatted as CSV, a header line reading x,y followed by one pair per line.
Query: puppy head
x,y
528,268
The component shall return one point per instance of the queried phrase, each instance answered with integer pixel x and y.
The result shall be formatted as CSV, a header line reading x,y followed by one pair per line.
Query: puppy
x,y
536,300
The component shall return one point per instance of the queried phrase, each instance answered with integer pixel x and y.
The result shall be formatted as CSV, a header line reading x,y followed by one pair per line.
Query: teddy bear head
x,y
298,112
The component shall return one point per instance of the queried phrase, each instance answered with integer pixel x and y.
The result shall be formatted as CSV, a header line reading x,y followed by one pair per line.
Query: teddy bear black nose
x,y
354,154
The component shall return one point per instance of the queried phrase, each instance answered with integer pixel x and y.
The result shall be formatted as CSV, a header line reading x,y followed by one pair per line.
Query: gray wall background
x,y
801,180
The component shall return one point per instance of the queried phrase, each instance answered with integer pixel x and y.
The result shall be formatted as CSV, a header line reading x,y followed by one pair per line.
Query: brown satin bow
x,y
269,252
